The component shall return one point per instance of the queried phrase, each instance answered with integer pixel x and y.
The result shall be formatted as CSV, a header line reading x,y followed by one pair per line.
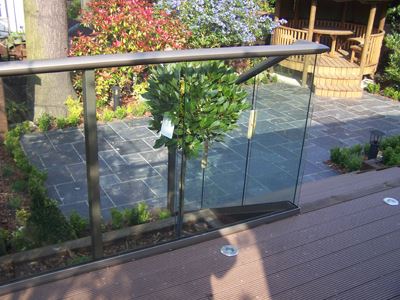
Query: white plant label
x,y
167,128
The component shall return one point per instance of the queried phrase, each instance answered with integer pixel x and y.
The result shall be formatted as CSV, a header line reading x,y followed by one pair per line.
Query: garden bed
x,y
32,262
12,195
349,159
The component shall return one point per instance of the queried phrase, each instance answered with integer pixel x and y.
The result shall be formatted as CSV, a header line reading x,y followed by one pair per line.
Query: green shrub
x,y
19,186
117,219
164,214
20,240
15,202
392,70
74,114
7,171
44,122
73,9
107,115
79,259
391,92
373,88
351,158
75,110
137,108
120,112
79,224
22,217
61,122
4,240
336,155
353,162
140,214
348,158
391,156
45,224
16,112
392,142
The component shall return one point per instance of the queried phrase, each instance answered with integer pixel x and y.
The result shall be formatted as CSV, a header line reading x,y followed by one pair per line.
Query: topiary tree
x,y
201,100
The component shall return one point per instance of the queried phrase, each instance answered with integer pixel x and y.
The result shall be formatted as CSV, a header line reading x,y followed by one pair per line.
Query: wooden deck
x,y
333,76
349,250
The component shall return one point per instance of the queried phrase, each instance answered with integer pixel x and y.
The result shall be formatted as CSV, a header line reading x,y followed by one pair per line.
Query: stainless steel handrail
x,y
157,57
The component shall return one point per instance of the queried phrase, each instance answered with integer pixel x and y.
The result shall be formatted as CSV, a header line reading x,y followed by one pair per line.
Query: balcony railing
x,y
251,176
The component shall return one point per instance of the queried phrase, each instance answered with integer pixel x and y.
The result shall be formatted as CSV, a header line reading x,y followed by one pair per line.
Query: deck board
x,y
337,61
343,251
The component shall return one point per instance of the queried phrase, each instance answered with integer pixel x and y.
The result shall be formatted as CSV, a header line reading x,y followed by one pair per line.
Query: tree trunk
x,y
47,38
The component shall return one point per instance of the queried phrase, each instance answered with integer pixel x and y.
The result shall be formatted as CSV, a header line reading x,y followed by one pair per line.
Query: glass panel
x,y
133,172
213,104
275,153
43,200
244,177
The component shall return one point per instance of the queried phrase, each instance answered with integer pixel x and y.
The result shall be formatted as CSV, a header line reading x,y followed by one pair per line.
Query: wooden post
x,y
3,114
382,18
367,38
277,10
311,23
296,12
344,12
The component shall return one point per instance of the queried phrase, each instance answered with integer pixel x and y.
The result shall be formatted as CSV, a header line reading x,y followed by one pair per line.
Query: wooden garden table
x,y
333,33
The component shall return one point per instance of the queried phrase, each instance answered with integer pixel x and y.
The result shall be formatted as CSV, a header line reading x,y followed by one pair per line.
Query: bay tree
x,y
202,102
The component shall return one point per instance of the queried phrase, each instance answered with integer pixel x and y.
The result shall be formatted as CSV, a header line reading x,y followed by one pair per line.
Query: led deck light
x,y
391,201
229,250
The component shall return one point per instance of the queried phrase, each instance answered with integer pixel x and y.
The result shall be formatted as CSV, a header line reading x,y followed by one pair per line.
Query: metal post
x,y
171,179
181,209
92,162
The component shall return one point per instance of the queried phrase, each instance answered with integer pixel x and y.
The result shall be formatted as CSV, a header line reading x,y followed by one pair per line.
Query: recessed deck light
x,y
229,250
391,201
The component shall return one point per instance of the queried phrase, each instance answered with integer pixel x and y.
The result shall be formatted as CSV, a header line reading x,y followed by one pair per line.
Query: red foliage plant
x,y
123,26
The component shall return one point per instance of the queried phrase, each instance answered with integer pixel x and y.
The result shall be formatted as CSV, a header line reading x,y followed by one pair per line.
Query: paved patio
x,y
132,171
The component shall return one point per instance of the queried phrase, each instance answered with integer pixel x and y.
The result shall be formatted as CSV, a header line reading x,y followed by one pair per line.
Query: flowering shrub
x,y
121,26
220,22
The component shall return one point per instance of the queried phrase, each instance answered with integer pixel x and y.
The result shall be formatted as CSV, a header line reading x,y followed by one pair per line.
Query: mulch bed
x,y
67,258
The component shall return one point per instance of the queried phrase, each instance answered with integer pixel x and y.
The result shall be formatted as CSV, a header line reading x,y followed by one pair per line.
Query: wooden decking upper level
x,y
349,250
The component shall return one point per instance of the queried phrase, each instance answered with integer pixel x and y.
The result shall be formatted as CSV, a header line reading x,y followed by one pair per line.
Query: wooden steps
x,y
337,77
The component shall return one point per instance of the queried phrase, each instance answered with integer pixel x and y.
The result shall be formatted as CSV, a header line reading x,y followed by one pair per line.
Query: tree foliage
x,y
201,99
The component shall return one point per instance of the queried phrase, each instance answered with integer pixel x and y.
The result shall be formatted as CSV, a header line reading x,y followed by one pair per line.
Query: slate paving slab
x,y
131,170
130,192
